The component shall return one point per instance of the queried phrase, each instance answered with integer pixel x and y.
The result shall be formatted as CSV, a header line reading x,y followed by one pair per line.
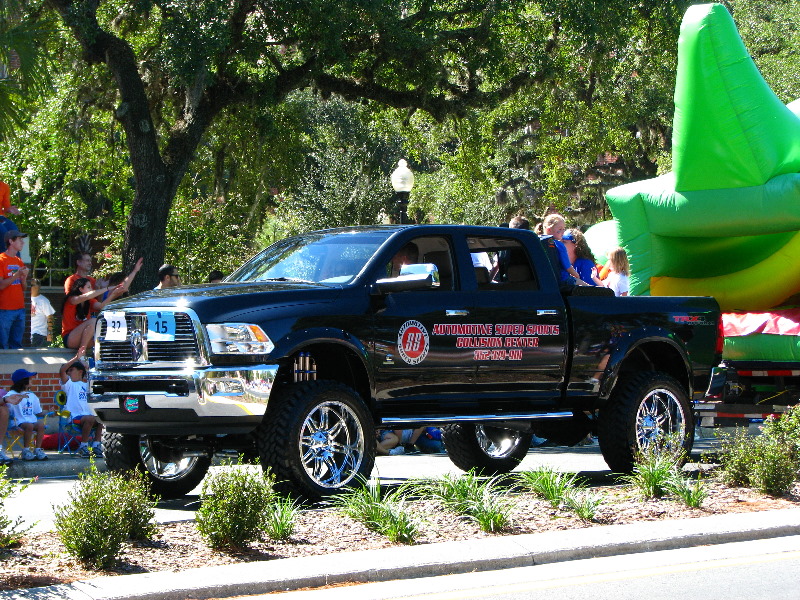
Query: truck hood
x,y
231,301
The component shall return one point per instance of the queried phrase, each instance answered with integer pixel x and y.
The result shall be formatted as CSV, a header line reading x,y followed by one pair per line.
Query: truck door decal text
x,y
501,341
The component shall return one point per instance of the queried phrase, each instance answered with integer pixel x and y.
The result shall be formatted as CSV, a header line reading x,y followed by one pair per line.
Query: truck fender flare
x,y
299,340
623,348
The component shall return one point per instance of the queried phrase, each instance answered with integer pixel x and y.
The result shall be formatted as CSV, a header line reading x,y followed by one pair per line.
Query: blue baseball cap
x,y
21,374
568,237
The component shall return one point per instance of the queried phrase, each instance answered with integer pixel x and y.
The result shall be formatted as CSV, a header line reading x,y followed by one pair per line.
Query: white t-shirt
x,y
76,398
481,259
40,310
27,409
618,283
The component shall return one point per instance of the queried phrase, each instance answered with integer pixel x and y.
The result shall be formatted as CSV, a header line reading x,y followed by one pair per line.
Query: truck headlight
x,y
238,338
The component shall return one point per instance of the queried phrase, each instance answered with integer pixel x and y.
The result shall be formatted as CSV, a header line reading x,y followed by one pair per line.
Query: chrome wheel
x,y
164,470
497,442
331,444
660,416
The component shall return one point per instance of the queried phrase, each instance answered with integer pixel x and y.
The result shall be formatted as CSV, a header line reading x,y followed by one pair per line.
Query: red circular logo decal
x,y
412,342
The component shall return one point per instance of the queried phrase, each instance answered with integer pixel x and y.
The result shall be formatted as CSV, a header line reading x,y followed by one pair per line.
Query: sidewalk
x,y
494,553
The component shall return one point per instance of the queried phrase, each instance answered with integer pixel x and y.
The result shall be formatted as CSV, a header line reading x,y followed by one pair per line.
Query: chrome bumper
x,y
183,396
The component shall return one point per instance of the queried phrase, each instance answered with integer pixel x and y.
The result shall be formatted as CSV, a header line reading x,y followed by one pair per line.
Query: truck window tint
x,y
501,264
434,250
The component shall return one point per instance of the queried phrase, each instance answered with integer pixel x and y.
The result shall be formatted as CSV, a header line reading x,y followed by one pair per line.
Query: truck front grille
x,y
137,348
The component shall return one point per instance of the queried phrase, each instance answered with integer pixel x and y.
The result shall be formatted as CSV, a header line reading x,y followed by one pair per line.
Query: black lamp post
x,y
402,182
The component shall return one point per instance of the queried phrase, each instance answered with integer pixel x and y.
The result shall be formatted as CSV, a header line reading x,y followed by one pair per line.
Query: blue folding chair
x,y
68,432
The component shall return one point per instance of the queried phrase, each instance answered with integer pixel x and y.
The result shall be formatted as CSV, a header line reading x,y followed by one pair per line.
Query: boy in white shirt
x,y
26,412
72,375
41,317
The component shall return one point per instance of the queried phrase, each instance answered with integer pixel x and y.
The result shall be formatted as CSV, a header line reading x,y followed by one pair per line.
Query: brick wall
x,y
46,362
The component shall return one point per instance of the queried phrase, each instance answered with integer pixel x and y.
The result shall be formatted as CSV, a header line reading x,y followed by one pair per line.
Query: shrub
x,y
549,484
104,510
10,531
736,455
234,505
385,515
775,466
786,430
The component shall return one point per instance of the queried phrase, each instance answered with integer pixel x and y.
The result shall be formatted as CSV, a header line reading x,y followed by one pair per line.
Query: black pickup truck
x,y
321,338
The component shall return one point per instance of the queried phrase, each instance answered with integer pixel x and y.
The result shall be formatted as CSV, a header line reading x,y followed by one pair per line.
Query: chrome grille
x,y
183,348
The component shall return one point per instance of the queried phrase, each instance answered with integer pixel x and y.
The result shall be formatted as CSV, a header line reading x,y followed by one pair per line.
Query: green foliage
x,y
10,530
769,462
583,503
234,506
553,486
481,500
103,511
280,518
655,468
774,468
385,515
691,493
736,455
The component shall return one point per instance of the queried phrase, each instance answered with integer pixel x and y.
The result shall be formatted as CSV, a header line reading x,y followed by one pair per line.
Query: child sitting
x,y
72,375
25,409
619,270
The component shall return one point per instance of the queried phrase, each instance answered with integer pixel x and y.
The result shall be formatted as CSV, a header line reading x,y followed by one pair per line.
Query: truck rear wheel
x,y
317,438
489,450
170,474
644,409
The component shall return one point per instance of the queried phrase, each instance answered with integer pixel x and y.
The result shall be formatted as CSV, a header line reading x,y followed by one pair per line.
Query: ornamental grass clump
x,y
691,492
481,500
583,503
281,518
656,466
386,515
10,530
105,510
551,485
234,506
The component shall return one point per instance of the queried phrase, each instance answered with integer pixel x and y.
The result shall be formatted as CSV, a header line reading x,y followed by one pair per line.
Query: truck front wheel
x,y
170,474
644,409
317,438
489,450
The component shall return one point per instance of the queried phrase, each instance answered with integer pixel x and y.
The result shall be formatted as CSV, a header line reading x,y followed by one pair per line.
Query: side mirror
x,y
411,278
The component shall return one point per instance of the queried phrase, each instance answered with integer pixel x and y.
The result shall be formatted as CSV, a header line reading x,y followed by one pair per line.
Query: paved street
x,y
761,569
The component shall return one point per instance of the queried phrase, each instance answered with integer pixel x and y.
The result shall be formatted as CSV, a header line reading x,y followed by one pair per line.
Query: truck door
x,y
522,354
417,368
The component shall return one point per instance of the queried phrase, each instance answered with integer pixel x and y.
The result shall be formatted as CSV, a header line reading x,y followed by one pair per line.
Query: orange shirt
x,y
12,297
69,317
5,199
73,278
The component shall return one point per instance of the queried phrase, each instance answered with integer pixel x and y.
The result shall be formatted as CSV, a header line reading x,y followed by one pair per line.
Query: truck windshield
x,y
320,257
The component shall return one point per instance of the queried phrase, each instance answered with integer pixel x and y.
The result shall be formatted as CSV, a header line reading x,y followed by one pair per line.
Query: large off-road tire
x,y
645,408
171,478
487,449
318,438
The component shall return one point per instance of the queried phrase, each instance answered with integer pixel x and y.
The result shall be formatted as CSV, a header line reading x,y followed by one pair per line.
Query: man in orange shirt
x,y
83,266
13,280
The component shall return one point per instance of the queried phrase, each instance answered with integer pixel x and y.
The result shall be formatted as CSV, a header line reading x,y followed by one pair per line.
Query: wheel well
x,y
332,362
657,356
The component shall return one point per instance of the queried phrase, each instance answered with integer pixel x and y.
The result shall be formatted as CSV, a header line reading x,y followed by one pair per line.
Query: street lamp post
x,y
402,182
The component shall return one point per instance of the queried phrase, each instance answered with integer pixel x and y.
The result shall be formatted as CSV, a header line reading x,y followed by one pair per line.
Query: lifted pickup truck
x,y
320,339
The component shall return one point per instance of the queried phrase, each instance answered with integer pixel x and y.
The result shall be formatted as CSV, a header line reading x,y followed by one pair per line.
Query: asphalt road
x,y
761,569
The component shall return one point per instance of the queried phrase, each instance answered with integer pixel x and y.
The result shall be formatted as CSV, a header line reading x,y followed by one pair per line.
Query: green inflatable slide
x,y
726,221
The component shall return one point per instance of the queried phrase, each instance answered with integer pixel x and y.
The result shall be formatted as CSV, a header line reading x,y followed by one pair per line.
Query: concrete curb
x,y
429,560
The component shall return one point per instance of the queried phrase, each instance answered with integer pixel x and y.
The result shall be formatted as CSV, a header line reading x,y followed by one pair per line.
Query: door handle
x,y
543,312
456,313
